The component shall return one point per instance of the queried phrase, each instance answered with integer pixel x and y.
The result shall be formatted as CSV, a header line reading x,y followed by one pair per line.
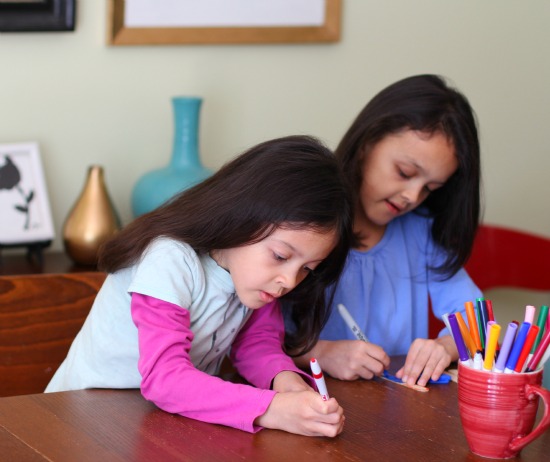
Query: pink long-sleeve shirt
x,y
174,384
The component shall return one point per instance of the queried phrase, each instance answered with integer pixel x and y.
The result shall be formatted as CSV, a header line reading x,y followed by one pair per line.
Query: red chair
x,y
504,257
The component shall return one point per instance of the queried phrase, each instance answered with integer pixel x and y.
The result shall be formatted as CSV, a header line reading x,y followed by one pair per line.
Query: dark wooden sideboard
x,y
53,262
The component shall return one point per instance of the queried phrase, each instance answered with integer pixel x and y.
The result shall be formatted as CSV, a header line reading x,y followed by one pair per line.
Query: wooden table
x,y
384,422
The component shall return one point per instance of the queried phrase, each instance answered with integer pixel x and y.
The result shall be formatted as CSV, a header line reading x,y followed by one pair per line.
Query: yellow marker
x,y
468,340
494,333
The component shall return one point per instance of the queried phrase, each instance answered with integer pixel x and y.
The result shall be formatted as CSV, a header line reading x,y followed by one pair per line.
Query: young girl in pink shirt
x,y
205,275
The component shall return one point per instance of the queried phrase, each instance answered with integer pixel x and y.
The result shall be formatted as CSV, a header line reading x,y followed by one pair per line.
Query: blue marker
x,y
516,348
506,347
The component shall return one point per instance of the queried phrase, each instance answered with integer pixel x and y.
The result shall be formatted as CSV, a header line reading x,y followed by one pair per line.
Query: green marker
x,y
541,323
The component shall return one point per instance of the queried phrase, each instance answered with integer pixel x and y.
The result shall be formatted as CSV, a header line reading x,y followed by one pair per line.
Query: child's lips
x,y
393,208
266,297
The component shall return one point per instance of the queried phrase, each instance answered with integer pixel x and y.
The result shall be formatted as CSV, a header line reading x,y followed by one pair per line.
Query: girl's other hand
x,y
351,359
303,413
286,381
427,359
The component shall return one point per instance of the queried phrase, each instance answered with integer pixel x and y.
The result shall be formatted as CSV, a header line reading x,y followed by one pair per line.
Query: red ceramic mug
x,y
498,410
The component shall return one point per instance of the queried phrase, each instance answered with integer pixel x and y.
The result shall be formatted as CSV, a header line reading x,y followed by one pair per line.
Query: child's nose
x,y
288,279
413,194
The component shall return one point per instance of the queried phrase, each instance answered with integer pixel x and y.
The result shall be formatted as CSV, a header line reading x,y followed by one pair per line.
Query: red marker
x,y
529,341
539,353
319,379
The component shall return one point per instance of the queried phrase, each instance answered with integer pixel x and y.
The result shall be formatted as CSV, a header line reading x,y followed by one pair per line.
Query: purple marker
x,y
460,345
506,347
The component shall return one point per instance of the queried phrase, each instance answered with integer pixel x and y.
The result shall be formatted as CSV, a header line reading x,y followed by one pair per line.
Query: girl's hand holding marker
x,y
346,316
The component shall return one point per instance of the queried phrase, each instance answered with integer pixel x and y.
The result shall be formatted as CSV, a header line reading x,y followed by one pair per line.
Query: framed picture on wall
x,y
24,206
37,15
165,22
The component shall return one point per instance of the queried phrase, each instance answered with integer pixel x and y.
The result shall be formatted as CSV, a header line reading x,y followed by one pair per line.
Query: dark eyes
x,y
406,176
402,174
282,259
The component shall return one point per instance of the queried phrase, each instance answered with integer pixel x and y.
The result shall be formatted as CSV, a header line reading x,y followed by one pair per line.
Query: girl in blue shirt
x,y
412,157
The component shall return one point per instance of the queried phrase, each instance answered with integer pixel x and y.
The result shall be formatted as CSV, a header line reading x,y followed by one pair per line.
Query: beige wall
x,y
86,103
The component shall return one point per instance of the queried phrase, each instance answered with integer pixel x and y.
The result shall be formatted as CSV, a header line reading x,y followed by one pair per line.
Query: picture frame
x,y
37,15
24,205
169,22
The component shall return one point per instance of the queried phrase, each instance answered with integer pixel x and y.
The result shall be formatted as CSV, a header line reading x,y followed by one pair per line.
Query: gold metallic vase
x,y
91,221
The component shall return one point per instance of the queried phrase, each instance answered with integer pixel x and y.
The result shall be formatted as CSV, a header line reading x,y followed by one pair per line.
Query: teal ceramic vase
x,y
185,168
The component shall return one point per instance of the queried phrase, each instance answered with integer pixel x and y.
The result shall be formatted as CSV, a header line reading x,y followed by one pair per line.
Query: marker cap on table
x,y
529,341
539,353
492,339
506,347
516,348
459,341
319,379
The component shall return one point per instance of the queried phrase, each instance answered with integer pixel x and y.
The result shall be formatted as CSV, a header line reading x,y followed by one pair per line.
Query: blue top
x,y
386,288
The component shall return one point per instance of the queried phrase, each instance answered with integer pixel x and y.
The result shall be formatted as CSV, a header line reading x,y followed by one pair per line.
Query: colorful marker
x,y
319,379
543,360
348,319
506,347
541,322
516,348
490,311
529,341
483,319
459,341
472,323
492,339
529,314
478,360
467,337
445,318
539,353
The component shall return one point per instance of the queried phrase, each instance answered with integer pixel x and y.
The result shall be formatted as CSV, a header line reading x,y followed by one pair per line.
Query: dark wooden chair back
x,y
39,317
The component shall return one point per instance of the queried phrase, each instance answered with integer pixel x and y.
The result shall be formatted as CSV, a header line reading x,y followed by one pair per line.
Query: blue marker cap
x,y
518,346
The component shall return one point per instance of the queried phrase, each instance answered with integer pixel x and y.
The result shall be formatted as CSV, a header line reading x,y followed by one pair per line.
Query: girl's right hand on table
x,y
303,413
351,359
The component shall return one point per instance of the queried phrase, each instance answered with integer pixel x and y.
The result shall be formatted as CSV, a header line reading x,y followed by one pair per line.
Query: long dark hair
x,y
293,182
426,103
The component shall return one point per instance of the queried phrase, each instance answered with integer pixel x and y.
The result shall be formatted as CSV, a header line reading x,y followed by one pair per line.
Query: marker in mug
x,y
539,353
529,341
509,337
492,339
319,379
478,360
351,323
459,341
516,348
529,314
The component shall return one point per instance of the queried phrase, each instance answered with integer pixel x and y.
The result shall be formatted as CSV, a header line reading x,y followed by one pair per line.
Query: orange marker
x,y
472,322
468,340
